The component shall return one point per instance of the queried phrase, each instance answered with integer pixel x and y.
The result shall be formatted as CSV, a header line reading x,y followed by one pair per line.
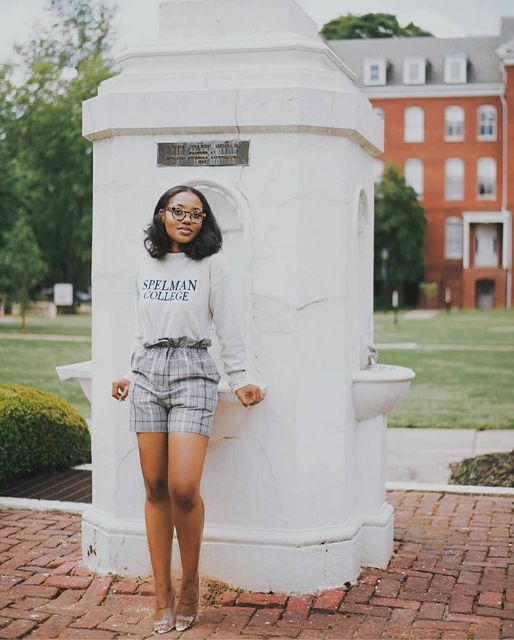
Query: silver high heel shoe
x,y
167,622
183,622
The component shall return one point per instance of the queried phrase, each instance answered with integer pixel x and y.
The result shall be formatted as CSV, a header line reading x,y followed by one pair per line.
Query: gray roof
x,y
481,52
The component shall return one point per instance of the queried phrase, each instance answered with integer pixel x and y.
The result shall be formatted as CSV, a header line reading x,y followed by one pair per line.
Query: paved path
x,y
38,337
443,346
451,576
424,455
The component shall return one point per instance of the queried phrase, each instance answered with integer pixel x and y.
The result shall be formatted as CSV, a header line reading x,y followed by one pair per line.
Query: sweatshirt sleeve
x,y
227,325
137,339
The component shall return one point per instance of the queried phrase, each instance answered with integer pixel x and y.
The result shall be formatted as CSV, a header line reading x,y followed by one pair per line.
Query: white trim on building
x,y
485,217
454,123
455,69
374,71
413,124
453,238
487,119
414,70
478,89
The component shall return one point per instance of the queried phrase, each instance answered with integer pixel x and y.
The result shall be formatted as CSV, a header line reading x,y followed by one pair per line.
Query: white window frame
x,y
413,131
486,179
453,240
413,171
450,120
461,76
482,111
381,77
420,65
448,178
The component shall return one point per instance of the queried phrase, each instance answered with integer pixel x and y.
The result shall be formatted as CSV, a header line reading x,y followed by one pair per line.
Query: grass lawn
x,y
453,387
78,325
464,388
494,327
32,362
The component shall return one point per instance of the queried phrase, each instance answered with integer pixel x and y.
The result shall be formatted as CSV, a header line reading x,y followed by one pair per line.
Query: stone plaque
x,y
214,153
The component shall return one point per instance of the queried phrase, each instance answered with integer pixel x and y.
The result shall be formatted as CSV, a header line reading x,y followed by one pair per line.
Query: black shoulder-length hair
x,y
208,241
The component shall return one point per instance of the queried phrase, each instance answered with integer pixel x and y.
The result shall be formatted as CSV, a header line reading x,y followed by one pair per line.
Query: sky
x,y
137,19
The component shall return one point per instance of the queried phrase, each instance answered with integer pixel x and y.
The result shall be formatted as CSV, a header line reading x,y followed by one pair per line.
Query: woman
x,y
182,285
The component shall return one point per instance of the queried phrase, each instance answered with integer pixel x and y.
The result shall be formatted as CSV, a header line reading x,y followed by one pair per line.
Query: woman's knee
x,y
156,489
186,497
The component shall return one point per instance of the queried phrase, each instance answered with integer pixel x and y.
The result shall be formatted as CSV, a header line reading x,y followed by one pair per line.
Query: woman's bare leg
x,y
186,456
153,454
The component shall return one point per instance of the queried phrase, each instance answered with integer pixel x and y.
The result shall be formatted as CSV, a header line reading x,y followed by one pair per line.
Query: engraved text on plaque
x,y
205,154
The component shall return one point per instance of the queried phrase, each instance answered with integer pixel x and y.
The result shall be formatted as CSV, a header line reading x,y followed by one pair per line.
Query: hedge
x,y
485,470
39,433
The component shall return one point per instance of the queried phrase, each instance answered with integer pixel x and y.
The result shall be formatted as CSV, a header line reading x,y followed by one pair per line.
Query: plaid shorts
x,y
174,387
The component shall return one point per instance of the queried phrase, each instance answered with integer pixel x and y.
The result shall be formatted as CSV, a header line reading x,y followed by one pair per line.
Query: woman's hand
x,y
120,389
249,395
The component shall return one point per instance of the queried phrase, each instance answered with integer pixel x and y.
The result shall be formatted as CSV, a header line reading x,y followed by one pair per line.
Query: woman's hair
x,y
208,241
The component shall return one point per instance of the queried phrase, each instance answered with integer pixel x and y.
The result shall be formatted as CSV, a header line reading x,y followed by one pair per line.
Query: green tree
x,y
41,129
9,196
9,192
369,25
400,225
22,267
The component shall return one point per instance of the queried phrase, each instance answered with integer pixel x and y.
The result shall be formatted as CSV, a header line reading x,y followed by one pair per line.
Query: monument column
x,y
294,196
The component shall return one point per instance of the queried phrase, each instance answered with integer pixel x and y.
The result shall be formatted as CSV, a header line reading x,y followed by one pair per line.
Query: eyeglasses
x,y
179,214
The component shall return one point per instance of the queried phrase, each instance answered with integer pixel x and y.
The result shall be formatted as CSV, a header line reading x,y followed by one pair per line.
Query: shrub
x,y
487,470
39,433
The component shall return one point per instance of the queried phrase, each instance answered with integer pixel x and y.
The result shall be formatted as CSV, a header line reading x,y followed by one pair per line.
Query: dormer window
x,y
455,69
374,72
414,71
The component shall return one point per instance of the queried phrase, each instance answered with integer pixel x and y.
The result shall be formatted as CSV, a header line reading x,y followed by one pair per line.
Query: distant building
x,y
448,106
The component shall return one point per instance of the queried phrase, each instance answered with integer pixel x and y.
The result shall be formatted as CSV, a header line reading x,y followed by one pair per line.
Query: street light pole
x,y
384,255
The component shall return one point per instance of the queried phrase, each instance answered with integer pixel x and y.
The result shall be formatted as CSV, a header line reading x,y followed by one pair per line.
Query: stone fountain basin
x,y
79,370
377,390
83,372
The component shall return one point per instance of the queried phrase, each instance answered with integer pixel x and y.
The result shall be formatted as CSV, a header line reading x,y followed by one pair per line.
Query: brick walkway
x,y
451,576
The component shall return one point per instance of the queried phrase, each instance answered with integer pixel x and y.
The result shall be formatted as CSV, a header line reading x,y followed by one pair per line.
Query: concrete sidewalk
x,y
423,455
451,576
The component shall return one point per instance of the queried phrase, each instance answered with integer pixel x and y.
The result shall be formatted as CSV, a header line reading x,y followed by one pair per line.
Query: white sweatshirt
x,y
177,296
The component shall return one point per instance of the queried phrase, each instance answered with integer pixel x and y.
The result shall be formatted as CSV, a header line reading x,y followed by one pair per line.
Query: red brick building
x,y
448,106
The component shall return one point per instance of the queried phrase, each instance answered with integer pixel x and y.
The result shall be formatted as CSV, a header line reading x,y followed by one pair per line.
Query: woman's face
x,y
185,230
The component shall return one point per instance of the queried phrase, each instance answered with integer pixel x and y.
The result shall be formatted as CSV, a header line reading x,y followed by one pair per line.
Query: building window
x,y
379,170
414,71
454,179
486,119
455,69
374,72
453,238
414,124
454,123
486,179
413,172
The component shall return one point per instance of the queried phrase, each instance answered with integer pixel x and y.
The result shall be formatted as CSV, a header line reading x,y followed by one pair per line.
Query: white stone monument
x,y
294,488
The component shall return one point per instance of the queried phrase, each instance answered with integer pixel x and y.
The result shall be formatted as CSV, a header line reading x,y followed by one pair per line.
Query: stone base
x,y
378,538
289,562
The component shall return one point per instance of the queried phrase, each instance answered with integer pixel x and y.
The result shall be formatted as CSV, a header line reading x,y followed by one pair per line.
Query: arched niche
x,y
233,216
364,275
362,213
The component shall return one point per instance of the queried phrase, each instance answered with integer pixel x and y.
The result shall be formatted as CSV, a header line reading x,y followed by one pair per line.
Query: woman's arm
x,y
228,330
137,339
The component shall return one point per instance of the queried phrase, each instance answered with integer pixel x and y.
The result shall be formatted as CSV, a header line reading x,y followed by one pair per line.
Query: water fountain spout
x,y
372,357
